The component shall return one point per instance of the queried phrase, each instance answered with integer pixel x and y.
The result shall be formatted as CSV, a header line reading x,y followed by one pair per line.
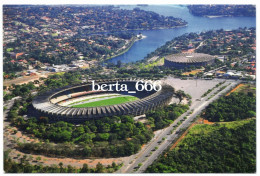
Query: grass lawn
x,y
94,98
107,102
206,129
9,49
245,88
60,73
155,63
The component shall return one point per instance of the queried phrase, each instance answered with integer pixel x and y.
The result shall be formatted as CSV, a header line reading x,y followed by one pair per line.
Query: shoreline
x,y
143,37
132,43
139,29
124,51
216,16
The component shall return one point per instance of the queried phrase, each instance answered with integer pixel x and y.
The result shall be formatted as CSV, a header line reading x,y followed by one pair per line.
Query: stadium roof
x,y
189,57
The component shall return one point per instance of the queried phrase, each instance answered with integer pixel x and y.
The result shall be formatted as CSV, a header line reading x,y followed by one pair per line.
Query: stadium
x,y
80,103
183,60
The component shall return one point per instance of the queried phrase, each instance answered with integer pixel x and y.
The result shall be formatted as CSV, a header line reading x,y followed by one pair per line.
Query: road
x,y
148,154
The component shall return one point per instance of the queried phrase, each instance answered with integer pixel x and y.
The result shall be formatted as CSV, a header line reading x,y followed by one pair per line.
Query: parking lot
x,y
195,88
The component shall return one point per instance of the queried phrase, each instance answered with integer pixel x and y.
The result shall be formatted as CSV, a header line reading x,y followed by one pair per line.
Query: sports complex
x,y
81,102
183,60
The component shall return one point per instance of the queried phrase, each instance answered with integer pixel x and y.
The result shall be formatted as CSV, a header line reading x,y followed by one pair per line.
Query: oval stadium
x,y
80,103
183,60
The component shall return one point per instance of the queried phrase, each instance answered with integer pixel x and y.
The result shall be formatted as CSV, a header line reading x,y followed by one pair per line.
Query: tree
x,y
61,167
80,130
71,169
64,136
114,165
103,136
180,94
85,169
99,168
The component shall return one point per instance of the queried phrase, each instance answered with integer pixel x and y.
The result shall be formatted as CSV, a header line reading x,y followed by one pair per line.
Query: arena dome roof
x,y
189,58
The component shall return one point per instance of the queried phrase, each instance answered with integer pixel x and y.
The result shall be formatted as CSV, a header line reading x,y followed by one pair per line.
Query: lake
x,y
157,38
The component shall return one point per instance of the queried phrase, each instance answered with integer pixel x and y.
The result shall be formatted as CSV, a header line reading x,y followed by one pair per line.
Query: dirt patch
x,y
47,161
207,122
204,121
189,50
180,138
22,80
193,72
25,79
233,90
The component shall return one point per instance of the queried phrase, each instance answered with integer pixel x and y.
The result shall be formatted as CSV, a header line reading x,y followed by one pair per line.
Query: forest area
x,y
218,148
226,146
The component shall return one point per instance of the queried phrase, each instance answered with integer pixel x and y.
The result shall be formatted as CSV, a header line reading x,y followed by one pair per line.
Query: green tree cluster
x,y
236,106
106,137
162,117
212,149
19,90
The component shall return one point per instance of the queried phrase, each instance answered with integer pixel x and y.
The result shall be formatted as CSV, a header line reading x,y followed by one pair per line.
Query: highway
x,y
139,162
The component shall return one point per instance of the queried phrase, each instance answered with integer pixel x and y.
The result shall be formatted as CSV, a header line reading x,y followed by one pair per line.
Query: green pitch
x,y
107,102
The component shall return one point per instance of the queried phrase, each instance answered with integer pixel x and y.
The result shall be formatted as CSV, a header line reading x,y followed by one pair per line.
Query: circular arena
x,y
58,104
183,60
